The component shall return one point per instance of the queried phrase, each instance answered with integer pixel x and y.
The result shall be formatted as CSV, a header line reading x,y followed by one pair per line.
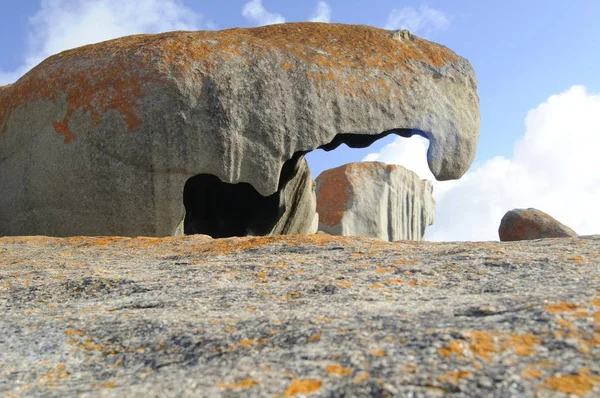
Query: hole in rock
x,y
361,147
220,209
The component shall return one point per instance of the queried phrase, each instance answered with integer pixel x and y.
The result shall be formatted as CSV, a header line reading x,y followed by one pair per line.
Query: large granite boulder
x,y
298,316
528,224
374,199
102,139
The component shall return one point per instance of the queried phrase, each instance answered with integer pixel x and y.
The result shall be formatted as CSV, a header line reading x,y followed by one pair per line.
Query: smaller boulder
x,y
374,199
528,224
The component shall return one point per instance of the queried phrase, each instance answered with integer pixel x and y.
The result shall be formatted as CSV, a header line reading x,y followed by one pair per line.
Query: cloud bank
x,y
257,13
554,167
423,21
63,24
322,13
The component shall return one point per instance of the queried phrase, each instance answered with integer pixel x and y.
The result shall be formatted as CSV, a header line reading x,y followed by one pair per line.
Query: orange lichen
x,y
579,384
53,376
361,377
246,343
531,373
393,281
523,344
378,353
246,383
314,337
483,345
562,307
337,370
453,348
335,192
307,386
454,377
343,284
74,332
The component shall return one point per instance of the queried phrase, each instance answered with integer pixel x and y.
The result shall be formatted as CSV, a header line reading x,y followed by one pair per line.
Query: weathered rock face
x,y
374,199
293,315
527,224
100,140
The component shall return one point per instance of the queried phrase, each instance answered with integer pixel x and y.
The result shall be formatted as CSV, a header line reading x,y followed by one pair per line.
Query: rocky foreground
x,y
298,315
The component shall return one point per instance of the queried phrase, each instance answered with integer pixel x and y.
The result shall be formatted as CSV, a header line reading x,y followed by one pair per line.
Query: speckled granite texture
x,y
298,316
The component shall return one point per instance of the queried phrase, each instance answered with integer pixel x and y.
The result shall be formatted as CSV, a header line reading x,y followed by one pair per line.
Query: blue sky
x,y
523,52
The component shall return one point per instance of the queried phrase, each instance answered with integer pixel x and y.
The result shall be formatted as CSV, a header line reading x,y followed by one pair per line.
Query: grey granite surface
x,y
298,316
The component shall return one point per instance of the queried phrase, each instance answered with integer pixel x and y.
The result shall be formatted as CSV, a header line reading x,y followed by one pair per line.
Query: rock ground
x,y
298,316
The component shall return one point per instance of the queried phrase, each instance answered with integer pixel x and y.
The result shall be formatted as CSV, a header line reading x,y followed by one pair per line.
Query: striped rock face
x,y
102,139
374,199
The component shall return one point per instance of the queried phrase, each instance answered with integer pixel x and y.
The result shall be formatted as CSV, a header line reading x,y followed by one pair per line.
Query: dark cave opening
x,y
220,209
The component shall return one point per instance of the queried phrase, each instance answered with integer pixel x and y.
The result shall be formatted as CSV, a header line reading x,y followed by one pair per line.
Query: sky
x,y
536,63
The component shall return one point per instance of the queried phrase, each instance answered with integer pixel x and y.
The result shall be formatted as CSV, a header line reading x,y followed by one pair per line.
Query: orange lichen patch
x,y
577,259
334,192
410,368
378,353
453,348
523,344
343,284
483,345
565,323
393,281
114,82
53,376
454,377
322,319
337,370
246,383
246,343
307,386
595,301
563,307
361,377
417,283
580,314
74,332
106,384
579,384
89,345
531,373
277,265
314,337
384,270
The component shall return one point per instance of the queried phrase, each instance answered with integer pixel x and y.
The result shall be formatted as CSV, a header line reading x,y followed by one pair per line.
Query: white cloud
x,y
63,24
423,21
554,167
255,12
322,13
